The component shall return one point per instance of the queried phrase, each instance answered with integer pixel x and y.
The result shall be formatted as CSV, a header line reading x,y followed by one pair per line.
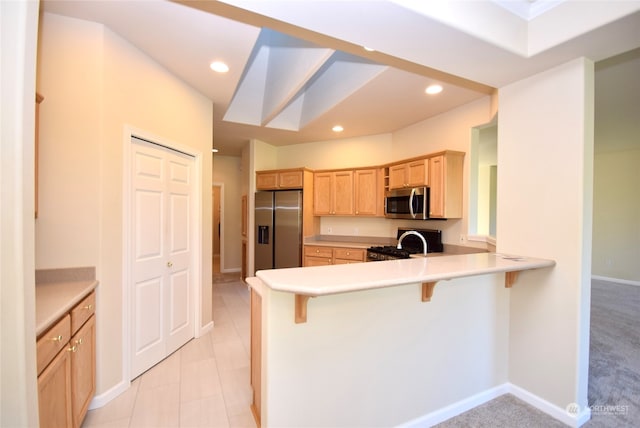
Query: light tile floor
x,y
203,384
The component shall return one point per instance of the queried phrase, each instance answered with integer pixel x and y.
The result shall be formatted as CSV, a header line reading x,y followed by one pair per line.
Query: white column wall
x,y
545,159
19,29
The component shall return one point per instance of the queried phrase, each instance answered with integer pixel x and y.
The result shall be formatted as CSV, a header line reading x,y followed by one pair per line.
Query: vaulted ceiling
x,y
297,68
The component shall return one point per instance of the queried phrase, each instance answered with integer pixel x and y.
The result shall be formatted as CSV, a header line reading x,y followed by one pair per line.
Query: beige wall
x,y
545,163
227,171
447,131
95,84
616,215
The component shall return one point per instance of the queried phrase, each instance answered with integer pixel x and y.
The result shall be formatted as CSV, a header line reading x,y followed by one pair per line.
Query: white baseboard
x,y
573,417
205,329
457,408
616,280
231,270
104,398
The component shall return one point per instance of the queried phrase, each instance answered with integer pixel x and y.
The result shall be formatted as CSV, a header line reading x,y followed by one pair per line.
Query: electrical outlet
x,y
329,230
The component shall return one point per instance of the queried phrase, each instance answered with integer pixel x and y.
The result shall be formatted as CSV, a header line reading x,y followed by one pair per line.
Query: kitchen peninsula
x,y
374,344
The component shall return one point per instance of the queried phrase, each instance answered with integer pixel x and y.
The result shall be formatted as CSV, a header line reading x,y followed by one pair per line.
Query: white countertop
x,y
334,279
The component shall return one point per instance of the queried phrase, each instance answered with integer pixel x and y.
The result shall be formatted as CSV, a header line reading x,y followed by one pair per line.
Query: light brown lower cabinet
x,y
256,354
54,392
322,256
83,370
66,356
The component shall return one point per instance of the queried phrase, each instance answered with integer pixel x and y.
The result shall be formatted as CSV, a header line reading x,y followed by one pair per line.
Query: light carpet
x,y
614,370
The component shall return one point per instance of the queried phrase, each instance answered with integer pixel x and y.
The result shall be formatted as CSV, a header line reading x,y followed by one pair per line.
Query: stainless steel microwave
x,y
411,203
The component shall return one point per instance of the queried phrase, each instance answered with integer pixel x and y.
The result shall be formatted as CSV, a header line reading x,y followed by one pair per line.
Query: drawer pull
x,y
74,348
58,338
88,307
79,341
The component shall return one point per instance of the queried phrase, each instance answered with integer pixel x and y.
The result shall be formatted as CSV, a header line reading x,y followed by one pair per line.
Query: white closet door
x,y
162,271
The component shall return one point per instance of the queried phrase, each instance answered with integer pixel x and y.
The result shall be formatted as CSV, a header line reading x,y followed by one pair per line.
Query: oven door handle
x,y
411,211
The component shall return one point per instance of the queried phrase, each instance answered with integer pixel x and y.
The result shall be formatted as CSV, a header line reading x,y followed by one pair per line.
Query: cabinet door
x,y
54,393
436,178
266,180
290,180
83,369
322,194
418,173
397,175
343,193
366,192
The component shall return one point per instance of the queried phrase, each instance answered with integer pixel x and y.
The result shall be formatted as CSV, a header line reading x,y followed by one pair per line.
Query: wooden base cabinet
x,y
66,358
54,393
256,354
83,369
322,256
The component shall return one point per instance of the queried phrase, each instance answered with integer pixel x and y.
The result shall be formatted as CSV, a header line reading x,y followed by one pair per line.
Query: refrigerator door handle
x,y
263,234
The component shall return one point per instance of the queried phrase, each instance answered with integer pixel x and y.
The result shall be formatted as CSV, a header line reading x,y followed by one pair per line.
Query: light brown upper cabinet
x,y
409,174
445,179
333,193
280,179
368,192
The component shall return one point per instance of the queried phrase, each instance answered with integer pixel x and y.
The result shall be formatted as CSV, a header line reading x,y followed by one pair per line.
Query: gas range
x,y
387,252
410,245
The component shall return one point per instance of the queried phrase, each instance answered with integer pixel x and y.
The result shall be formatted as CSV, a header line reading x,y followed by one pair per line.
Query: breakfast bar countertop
x,y
335,279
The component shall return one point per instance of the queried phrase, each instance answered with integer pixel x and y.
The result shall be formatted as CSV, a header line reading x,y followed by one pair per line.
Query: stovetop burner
x,y
410,245
388,252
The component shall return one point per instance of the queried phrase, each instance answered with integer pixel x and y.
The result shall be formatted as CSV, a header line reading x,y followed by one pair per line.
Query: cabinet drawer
x,y
51,342
316,261
356,254
82,311
318,252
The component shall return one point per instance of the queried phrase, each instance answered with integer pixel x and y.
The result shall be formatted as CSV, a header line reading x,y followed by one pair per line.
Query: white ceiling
x,y
300,73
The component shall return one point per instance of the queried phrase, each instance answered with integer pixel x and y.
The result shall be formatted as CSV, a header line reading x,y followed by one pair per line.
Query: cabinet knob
x,y
74,348
169,264
88,307
58,338
79,341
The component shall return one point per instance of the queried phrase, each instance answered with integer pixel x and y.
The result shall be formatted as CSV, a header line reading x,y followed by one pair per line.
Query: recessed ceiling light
x,y
433,89
214,150
369,49
219,67
337,128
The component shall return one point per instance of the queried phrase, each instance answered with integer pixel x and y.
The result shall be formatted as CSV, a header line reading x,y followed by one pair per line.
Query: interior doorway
x,y
217,226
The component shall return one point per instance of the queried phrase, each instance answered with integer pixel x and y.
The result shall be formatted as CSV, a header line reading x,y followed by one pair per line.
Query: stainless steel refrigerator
x,y
278,219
